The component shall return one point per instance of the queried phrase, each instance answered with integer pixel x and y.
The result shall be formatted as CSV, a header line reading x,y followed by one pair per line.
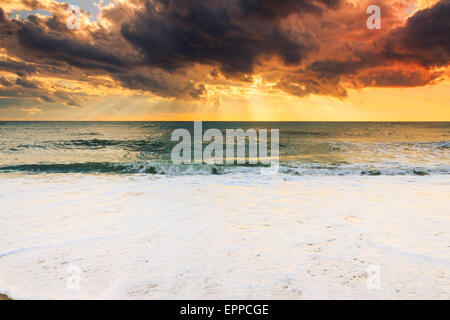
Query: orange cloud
x,y
215,56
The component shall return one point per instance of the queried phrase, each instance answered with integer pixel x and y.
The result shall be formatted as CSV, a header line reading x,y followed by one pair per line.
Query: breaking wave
x,y
169,168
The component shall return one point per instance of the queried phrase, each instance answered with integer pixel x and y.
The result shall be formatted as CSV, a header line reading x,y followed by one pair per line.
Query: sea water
x,y
98,210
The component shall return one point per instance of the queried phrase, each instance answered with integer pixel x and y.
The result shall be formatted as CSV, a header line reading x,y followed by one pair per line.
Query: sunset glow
x,y
309,60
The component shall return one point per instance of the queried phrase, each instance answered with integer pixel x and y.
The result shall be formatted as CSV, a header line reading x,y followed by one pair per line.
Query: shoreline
x,y
237,236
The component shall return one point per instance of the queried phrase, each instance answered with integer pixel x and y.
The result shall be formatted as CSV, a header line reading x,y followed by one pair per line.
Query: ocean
x,y
98,210
306,148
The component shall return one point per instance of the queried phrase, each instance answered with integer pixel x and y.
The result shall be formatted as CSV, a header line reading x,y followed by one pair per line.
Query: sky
x,y
229,60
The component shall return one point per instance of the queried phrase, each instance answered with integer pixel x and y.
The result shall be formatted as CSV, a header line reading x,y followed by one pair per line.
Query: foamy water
x,y
224,236
97,210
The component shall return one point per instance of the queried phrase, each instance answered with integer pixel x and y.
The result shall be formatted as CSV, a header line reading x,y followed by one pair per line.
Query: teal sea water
x,y
306,148
105,199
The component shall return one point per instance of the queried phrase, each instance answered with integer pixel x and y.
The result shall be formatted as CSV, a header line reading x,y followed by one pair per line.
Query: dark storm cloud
x,y
17,67
2,15
303,83
49,47
180,33
23,69
153,47
161,85
271,9
425,39
403,57
198,92
25,83
66,48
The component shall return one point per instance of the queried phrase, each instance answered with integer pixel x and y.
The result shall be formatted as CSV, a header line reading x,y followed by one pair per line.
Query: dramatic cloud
x,y
425,39
272,9
404,57
194,50
173,34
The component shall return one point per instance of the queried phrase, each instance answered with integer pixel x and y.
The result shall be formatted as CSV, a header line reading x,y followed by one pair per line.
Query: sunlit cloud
x,y
243,60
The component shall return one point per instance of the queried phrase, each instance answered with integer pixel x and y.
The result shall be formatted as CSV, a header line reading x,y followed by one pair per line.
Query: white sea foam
x,y
239,235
